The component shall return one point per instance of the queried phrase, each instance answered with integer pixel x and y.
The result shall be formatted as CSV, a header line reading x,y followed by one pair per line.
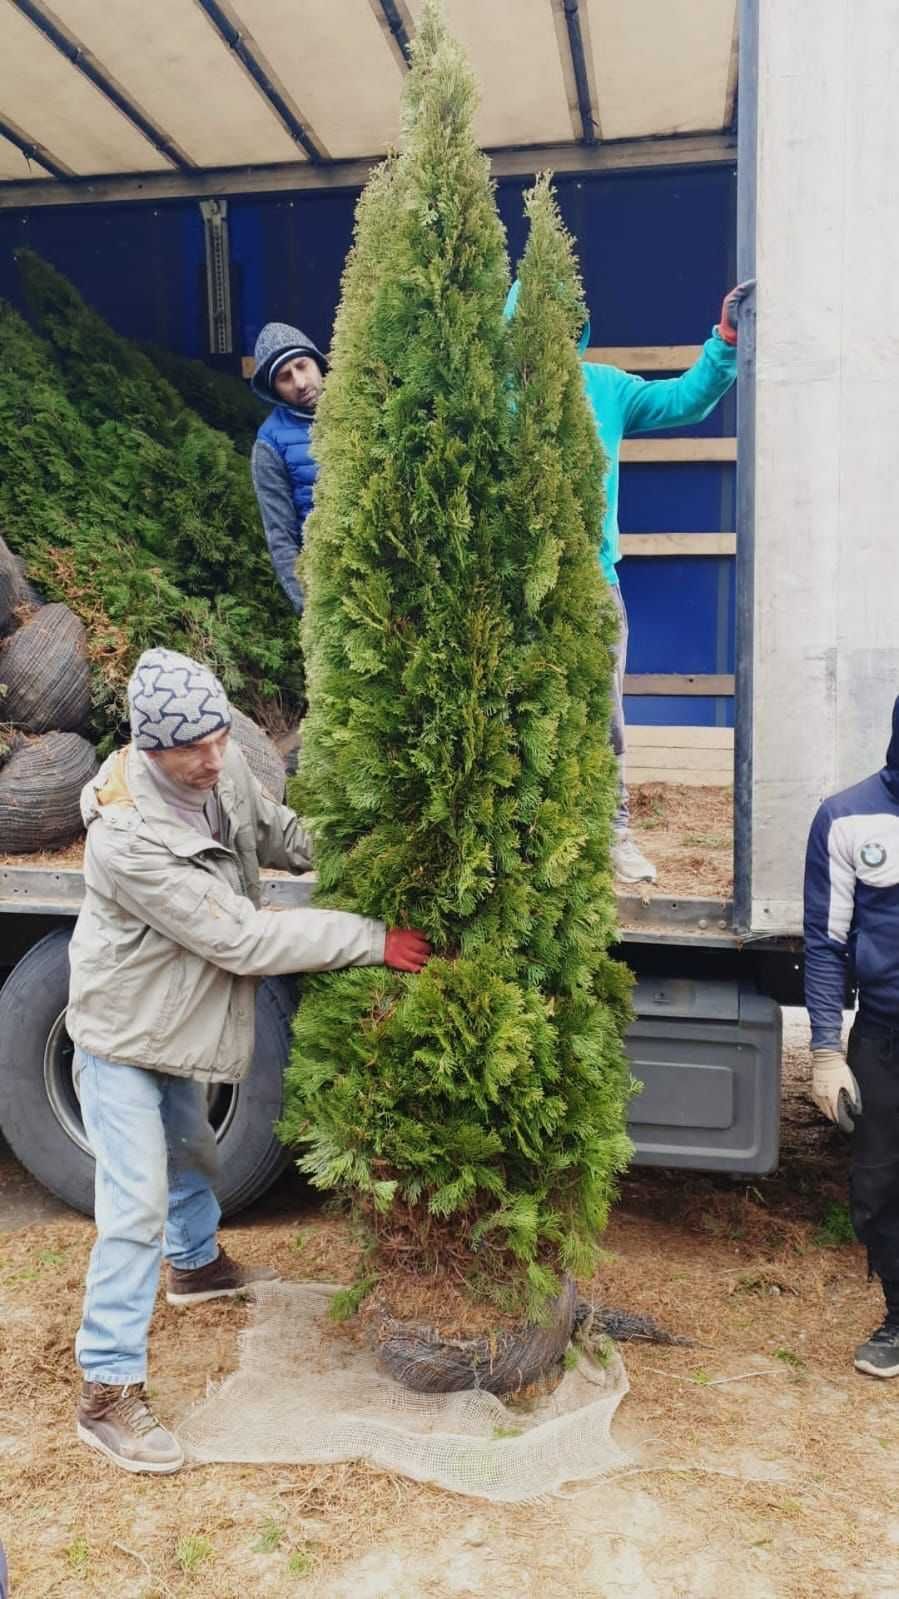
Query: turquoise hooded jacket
x,y
625,406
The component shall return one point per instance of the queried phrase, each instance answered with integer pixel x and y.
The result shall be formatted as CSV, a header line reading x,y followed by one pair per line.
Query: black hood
x,y
892,760
890,772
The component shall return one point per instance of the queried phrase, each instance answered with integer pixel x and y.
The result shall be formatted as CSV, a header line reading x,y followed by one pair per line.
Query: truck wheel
x,y
39,1112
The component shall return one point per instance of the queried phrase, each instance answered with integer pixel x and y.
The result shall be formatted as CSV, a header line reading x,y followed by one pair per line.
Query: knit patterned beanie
x,y
174,701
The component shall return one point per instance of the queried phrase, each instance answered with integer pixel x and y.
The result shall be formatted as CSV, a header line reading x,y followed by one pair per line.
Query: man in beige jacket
x,y
165,957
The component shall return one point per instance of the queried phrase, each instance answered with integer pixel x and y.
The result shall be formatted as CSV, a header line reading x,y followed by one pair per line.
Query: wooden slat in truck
x,y
781,626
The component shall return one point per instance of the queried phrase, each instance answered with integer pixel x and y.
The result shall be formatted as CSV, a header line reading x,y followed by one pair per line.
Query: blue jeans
x,y
155,1152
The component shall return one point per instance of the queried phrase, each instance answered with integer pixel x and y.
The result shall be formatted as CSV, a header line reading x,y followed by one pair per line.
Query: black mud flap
x,y
708,1055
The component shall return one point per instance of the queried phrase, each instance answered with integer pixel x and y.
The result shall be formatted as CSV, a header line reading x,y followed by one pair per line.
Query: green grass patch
x,y
271,1536
78,1556
192,1552
835,1230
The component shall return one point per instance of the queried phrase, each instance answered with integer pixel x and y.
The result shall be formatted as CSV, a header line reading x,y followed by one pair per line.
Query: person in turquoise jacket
x,y
624,406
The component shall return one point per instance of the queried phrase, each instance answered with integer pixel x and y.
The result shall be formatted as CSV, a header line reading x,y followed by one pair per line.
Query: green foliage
x,y
132,510
271,1536
790,1358
836,1227
346,1301
78,1556
456,766
192,1551
223,401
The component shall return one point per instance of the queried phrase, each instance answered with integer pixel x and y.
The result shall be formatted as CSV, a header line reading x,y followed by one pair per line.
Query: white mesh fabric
x,y
302,1395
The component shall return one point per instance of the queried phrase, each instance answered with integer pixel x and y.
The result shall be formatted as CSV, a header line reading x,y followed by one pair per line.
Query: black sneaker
x,y
879,1357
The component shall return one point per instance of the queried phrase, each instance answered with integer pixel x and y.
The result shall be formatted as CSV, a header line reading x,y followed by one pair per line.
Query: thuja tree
x,y
134,512
187,488
456,772
220,398
565,627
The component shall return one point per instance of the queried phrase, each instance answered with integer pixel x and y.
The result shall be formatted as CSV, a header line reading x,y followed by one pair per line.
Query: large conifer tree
x,y
456,765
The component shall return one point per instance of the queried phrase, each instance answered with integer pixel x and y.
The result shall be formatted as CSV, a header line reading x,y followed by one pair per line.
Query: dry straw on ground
x,y
688,834
748,1449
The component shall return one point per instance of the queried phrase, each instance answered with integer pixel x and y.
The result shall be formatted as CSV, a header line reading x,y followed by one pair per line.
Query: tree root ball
x,y
262,756
45,669
40,792
13,589
502,1364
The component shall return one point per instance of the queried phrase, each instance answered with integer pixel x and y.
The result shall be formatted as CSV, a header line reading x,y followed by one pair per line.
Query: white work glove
x,y
831,1077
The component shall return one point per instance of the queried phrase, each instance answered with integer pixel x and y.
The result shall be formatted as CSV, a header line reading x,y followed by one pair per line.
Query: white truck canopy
x,y
179,97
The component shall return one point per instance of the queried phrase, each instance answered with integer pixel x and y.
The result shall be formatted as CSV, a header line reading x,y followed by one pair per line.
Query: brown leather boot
x,y
223,1278
116,1419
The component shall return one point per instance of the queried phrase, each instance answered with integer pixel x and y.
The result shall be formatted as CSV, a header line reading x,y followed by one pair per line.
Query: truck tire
x,y
39,1113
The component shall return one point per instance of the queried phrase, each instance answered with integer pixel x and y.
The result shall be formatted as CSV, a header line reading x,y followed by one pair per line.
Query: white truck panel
x,y
826,634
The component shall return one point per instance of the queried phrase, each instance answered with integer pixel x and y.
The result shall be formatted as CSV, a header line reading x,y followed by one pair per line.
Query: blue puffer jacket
x,y
290,433
283,463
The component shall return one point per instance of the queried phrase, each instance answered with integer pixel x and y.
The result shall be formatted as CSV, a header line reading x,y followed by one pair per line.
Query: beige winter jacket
x,y
170,941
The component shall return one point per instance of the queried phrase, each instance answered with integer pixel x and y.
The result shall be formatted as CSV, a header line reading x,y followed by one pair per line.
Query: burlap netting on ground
x,y
40,792
307,1394
45,669
262,756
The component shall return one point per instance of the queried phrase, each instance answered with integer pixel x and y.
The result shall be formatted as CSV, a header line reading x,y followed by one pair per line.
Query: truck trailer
x,y
695,143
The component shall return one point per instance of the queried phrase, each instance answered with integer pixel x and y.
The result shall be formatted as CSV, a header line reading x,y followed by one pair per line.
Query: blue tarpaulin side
x,y
657,252
140,266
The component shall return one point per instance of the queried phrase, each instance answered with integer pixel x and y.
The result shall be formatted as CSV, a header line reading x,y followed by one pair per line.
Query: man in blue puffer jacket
x,y
290,371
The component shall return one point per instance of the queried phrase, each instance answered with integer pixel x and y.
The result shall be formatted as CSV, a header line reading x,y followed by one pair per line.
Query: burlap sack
x,y
13,589
261,755
40,788
45,669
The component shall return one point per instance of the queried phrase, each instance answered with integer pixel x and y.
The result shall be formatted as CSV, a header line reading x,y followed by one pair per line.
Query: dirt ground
x,y
762,1466
688,834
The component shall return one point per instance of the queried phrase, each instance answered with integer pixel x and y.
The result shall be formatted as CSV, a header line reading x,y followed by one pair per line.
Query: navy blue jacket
x,y
852,902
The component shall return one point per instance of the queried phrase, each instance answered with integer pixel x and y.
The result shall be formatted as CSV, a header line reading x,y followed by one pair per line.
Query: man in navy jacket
x,y
852,937
290,371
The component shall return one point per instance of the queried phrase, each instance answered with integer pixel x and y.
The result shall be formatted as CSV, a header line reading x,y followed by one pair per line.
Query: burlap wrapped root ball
x,y
45,670
502,1364
13,590
262,756
40,792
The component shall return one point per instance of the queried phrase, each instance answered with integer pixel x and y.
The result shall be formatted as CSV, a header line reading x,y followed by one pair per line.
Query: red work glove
x,y
730,311
405,950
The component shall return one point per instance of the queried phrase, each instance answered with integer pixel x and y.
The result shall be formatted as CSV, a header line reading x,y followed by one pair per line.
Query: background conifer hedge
x,y
132,510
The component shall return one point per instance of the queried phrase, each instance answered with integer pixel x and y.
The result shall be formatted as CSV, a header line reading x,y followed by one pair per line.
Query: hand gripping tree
x,y
456,770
